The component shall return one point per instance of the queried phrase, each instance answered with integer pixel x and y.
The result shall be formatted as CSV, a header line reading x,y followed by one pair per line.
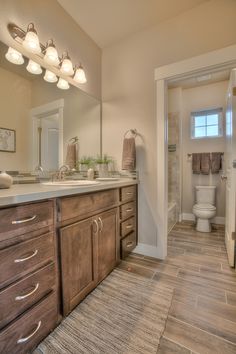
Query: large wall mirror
x,y
44,119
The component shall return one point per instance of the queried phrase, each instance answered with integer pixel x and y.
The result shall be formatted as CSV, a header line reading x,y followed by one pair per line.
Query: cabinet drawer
x,y
18,260
127,210
25,218
128,244
20,296
127,226
82,206
128,193
25,333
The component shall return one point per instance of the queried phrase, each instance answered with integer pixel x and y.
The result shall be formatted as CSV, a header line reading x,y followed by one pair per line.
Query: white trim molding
x,y
148,250
219,220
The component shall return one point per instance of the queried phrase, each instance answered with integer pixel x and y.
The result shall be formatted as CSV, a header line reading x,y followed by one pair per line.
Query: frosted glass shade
x,y
14,56
51,56
80,76
31,42
63,84
50,76
67,67
34,68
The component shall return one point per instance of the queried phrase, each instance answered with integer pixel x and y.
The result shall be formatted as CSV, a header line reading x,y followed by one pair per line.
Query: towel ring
x,y
74,140
132,131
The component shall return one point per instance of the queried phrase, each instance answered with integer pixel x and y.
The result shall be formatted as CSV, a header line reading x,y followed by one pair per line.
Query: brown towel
x,y
216,162
129,154
205,163
71,155
196,163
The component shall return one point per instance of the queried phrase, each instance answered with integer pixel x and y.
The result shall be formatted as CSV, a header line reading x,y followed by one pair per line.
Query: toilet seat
x,y
204,207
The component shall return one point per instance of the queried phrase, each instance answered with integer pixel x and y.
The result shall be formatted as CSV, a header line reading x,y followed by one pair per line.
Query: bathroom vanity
x,y
56,245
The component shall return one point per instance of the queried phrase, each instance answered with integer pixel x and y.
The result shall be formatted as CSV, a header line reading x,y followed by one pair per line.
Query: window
x,y
207,124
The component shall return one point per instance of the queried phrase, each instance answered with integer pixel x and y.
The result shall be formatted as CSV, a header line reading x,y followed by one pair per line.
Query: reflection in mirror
x,y
45,119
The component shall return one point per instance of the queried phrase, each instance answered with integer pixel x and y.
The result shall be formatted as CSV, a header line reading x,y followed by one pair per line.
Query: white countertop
x,y
21,193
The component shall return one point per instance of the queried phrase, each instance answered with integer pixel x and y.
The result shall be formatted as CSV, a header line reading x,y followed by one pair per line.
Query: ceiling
x,y
108,21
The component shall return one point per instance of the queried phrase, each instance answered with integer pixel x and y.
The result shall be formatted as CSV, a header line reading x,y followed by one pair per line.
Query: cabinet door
x,y
108,243
78,244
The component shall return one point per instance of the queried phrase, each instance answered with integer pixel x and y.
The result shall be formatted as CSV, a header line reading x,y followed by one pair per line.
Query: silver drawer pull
x,y
129,244
14,222
129,226
101,224
97,227
26,258
129,193
22,297
129,209
25,339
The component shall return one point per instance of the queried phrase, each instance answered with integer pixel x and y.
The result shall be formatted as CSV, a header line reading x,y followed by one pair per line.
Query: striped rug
x,y
125,314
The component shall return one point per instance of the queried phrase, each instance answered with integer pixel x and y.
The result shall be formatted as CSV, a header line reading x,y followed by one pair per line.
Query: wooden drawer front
x,y
127,226
16,261
128,193
128,244
82,206
25,333
20,296
25,218
127,210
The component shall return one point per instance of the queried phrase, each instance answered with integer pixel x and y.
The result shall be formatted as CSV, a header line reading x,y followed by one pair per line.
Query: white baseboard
x,y
148,250
216,220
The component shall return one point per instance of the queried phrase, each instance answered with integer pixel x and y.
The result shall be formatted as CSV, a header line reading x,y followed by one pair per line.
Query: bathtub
x,y
172,215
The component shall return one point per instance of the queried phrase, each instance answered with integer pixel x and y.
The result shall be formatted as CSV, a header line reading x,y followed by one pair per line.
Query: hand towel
x,y
205,163
196,163
71,155
216,162
129,154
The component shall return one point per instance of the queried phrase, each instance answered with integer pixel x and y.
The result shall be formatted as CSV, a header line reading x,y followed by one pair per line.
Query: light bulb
x,y
51,54
34,68
14,56
80,75
50,76
31,41
63,84
66,65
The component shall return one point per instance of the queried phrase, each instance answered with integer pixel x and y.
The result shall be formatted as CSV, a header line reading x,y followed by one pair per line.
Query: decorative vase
x,y
5,180
102,169
83,167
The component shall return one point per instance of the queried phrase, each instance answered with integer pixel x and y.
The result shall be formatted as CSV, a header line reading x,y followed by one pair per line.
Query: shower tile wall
x,y
174,166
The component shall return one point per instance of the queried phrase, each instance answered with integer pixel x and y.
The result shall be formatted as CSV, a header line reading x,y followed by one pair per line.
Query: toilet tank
x,y
205,194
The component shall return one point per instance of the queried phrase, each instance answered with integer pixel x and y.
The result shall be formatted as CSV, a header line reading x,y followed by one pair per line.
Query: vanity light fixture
x,y
80,76
14,56
50,76
63,84
66,66
31,40
51,55
34,68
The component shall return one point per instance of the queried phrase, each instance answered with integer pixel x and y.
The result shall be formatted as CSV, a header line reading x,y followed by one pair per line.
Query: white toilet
x,y
204,209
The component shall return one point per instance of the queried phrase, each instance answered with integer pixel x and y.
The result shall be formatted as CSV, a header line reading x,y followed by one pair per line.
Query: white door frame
x,y
217,60
54,107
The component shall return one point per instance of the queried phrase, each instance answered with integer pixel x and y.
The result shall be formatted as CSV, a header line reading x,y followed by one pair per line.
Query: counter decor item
x,y
5,180
85,163
102,163
90,174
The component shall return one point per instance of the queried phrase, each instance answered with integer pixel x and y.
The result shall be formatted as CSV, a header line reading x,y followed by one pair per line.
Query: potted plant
x,y
85,163
102,163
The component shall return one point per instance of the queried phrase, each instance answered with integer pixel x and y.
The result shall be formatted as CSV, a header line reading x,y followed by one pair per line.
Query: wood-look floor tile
x,y
200,318
133,268
231,298
192,259
186,297
168,347
219,274
196,339
219,309
155,266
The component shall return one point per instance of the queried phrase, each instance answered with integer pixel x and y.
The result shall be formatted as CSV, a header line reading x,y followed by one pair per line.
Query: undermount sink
x,y
72,183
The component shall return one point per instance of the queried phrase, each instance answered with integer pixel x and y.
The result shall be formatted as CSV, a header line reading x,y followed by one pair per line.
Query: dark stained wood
x,y
82,206
128,244
127,210
39,251
42,281
79,248
107,243
128,193
45,311
128,226
42,211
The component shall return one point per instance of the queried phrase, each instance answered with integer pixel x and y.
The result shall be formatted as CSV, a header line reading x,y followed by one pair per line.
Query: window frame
x,y
206,112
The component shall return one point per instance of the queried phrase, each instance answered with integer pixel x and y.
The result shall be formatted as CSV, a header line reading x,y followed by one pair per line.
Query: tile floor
x,y
202,317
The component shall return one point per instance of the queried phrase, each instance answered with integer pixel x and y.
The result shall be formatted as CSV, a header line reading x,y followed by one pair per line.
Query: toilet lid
x,y
204,207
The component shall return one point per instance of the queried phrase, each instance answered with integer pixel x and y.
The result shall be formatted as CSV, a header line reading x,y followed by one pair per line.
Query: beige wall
x,y
194,99
128,87
52,21
15,115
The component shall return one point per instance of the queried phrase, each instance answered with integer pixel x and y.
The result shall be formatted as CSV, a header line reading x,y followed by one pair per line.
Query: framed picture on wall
x,y
7,140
